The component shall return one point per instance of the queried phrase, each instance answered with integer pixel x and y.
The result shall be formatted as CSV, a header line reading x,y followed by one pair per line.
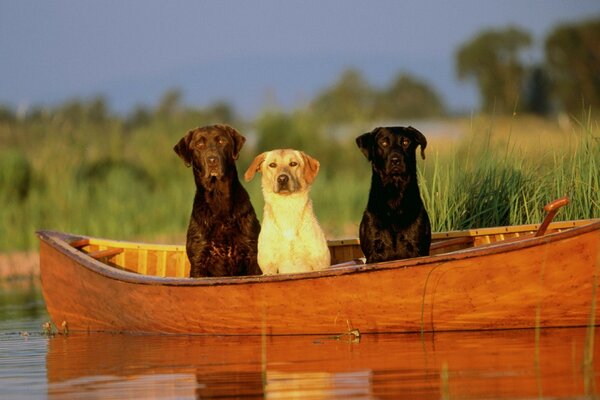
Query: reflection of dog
x,y
291,239
223,231
395,224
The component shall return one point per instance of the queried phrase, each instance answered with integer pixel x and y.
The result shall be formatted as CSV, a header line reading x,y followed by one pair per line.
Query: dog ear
x,y
311,167
238,140
365,144
420,139
182,148
254,166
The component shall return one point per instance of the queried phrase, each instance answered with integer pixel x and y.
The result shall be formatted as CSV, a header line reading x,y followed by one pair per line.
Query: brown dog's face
x,y
210,150
391,151
285,171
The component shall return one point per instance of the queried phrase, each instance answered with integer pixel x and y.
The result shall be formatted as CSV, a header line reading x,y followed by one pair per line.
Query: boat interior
x,y
171,260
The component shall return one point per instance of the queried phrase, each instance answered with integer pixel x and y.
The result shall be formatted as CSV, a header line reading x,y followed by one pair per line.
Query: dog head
x,y
285,171
210,150
391,151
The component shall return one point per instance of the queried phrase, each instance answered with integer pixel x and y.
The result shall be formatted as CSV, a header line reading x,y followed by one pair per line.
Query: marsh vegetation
x,y
109,179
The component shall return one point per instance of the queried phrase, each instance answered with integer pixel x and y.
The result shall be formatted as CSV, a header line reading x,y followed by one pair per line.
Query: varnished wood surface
x,y
546,281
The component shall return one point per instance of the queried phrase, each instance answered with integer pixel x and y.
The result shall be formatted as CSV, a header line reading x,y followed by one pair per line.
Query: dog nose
x,y
283,179
395,160
212,160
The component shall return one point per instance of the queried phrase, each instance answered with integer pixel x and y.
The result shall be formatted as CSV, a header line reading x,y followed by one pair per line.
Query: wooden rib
x,y
180,269
120,258
142,265
161,267
511,239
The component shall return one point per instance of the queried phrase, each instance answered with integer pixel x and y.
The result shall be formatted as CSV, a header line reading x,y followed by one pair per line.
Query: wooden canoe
x,y
492,278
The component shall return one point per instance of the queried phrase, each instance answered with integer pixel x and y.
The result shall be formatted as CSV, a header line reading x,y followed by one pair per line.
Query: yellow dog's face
x,y
285,171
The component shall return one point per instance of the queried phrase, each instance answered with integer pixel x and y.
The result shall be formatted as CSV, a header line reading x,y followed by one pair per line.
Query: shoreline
x,y
21,264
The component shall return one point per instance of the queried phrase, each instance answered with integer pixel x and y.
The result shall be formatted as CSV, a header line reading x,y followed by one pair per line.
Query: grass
x,y
505,177
102,179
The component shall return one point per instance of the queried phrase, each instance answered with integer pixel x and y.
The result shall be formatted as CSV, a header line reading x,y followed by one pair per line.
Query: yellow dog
x,y
290,239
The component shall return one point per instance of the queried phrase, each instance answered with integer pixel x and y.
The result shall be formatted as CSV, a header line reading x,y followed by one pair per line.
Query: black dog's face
x,y
391,151
210,150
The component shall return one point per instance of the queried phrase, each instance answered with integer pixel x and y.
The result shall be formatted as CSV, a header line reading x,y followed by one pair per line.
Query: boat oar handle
x,y
551,208
556,204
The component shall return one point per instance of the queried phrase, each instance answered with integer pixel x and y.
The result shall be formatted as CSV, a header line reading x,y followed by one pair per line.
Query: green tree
x,y
222,112
493,60
7,115
297,131
351,98
77,111
408,97
98,110
141,116
573,58
170,103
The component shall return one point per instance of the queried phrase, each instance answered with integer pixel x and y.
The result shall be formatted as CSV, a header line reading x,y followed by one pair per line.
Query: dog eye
x,y
200,144
384,143
405,142
293,164
221,140
273,165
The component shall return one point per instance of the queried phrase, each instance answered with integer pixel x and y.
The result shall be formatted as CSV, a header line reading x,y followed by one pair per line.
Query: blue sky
x,y
249,53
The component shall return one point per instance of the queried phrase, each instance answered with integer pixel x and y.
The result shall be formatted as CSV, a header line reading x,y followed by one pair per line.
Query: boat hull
x,y
549,281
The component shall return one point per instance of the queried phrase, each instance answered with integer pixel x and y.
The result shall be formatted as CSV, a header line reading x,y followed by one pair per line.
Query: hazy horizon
x,y
248,54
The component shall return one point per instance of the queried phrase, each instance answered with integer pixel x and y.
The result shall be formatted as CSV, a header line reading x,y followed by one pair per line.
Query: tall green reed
x,y
129,184
490,183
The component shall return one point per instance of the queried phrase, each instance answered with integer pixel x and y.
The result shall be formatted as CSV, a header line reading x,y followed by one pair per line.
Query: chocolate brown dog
x,y
223,232
395,224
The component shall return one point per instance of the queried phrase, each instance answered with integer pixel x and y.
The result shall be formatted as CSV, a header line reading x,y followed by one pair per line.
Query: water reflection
x,y
21,298
501,364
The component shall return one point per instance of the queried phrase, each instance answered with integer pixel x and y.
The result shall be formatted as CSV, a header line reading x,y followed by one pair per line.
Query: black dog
x,y
223,232
395,224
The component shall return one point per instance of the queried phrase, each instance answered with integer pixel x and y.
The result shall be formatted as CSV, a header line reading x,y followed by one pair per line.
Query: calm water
x,y
476,365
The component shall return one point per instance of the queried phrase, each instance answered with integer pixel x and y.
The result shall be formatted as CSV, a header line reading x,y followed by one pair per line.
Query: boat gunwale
x,y
61,241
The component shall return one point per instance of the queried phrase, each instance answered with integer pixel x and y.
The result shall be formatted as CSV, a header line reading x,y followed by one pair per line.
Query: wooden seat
x,y
352,263
78,244
98,254
105,253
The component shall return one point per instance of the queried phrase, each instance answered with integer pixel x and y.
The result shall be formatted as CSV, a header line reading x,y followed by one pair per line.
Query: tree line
x,y
496,60
568,79
80,167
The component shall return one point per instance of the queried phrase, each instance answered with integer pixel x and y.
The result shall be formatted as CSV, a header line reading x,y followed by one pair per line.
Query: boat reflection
x,y
498,364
